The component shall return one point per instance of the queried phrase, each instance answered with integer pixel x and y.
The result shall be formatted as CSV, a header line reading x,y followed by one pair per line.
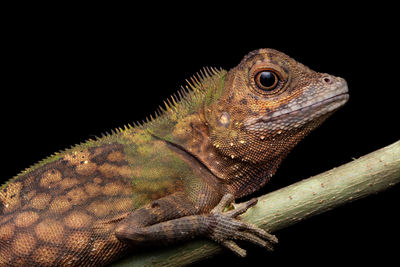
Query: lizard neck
x,y
187,125
239,174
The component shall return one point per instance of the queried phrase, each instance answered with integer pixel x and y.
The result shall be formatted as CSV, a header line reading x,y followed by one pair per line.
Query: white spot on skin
x,y
225,119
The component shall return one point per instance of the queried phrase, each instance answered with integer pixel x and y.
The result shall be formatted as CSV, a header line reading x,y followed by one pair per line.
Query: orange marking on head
x,y
10,196
115,156
50,230
40,201
77,241
77,196
50,177
45,255
77,219
23,244
26,218
7,231
60,204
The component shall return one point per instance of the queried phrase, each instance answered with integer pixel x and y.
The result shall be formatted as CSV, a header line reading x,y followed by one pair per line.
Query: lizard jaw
x,y
298,115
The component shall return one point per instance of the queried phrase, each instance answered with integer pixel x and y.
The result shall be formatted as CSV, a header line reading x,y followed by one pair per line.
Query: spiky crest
x,y
186,95
193,88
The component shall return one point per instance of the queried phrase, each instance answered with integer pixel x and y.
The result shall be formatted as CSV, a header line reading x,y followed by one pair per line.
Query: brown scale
x,y
66,209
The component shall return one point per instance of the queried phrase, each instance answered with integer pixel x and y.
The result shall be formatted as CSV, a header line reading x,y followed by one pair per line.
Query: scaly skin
x,y
169,179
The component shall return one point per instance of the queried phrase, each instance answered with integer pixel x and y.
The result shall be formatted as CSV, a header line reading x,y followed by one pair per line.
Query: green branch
x,y
367,175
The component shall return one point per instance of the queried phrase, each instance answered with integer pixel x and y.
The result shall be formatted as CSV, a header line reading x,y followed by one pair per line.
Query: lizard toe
x,y
226,227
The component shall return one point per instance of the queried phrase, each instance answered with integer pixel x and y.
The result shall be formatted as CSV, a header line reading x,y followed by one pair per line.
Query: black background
x,y
71,76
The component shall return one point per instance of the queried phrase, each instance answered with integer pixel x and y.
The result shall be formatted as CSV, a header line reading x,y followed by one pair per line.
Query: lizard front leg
x,y
161,222
226,227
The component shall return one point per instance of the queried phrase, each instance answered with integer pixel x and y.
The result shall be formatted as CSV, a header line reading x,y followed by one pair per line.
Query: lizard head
x,y
268,103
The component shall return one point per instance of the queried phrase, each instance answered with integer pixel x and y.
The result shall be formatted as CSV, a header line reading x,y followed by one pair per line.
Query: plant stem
x,y
367,175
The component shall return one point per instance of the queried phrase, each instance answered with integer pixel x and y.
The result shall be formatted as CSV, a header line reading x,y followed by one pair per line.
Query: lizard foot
x,y
225,227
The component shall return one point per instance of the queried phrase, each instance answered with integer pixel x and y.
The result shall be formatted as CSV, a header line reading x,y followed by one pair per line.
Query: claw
x,y
261,233
255,240
234,248
242,208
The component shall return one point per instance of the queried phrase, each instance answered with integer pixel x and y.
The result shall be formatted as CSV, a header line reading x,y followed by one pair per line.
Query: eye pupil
x,y
267,80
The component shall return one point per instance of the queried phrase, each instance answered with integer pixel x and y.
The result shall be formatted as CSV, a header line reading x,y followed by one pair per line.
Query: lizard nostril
x,y
327,80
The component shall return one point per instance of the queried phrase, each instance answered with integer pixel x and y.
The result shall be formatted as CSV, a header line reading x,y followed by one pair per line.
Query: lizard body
x,y
169,179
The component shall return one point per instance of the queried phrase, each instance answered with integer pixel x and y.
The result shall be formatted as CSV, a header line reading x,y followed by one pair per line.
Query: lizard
x,y
170,178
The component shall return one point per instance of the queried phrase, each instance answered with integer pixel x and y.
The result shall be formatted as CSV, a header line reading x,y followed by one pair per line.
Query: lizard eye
x,y
266,80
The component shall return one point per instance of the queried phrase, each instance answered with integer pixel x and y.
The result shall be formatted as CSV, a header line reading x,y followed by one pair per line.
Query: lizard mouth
x,y
300,115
